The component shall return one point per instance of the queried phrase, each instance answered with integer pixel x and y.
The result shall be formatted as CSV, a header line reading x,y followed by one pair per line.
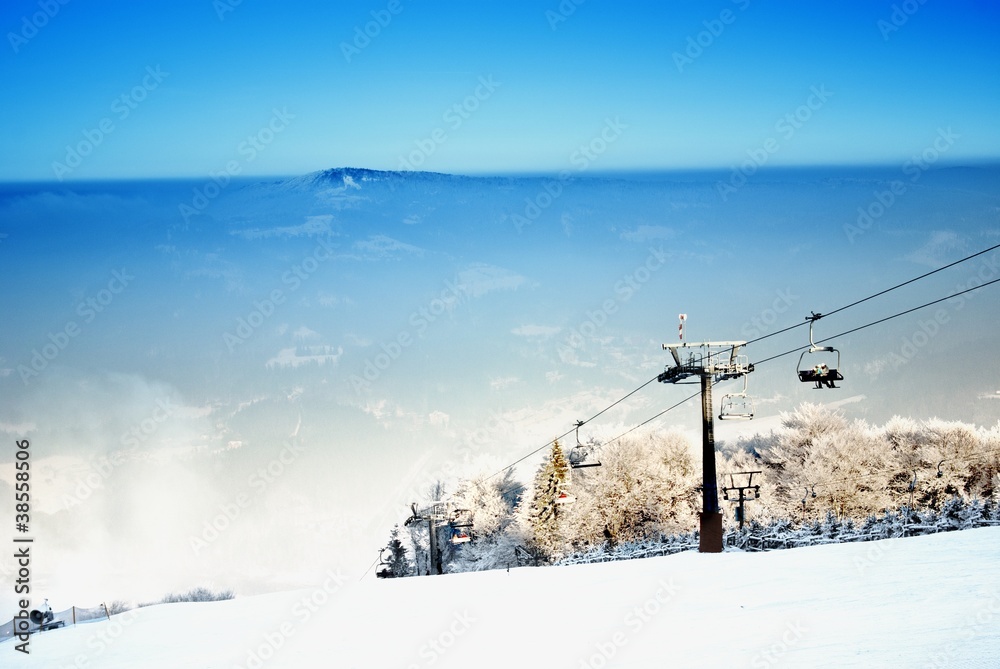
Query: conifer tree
x,y
544,510
398,564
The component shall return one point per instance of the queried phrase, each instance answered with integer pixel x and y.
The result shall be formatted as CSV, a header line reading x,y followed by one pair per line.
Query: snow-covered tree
x,y
489,505
857,469
829,477
548,495
399,565
644,488
418,535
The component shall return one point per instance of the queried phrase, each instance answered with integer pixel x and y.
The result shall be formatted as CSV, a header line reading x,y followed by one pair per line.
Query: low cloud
x,y
303,355
536,331
937,250
314,226
648,233
382,246
480,279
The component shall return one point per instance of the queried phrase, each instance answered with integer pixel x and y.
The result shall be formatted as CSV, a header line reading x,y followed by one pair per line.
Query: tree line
x,y
818,466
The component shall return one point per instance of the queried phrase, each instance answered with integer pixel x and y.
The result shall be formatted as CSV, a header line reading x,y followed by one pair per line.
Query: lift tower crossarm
x,y
723,364
742,489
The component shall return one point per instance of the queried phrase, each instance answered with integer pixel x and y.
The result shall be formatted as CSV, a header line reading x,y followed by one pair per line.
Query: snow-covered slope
x,y
931,601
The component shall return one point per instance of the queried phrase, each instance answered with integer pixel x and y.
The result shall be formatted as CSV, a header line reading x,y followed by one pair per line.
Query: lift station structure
x,y
440,515
711,362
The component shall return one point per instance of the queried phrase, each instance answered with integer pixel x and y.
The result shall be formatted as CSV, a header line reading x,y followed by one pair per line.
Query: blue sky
x,y
893,80
509,270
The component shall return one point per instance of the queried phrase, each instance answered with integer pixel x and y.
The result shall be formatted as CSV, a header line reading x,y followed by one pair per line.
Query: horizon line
x,y
984,163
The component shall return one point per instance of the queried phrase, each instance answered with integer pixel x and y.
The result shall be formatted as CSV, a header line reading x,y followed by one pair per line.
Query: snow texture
x,y
928,601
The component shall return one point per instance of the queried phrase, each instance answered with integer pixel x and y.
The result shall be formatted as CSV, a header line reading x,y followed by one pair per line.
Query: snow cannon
x,y
41,617
44,618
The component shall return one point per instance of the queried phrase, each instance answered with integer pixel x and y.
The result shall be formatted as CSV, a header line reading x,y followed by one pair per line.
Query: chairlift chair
x,y
385,563
737,405
582,455
821,373
564,498
460,520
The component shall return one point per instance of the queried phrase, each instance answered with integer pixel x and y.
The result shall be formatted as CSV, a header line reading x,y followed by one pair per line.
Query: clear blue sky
x,y
540,334
893,84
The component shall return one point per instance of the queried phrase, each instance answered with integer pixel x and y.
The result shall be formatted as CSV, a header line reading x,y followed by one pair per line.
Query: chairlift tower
x,y
713,362
435,515
742,490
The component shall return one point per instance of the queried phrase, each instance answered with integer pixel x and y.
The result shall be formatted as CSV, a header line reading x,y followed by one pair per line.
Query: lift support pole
x,y
433,547
718,361
433,515
710,537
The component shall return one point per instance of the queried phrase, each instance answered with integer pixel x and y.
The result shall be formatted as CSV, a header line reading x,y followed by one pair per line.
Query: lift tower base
x,y
710,537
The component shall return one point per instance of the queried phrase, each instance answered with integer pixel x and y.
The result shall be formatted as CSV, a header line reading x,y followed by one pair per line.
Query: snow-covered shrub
x,y
645,487
194,595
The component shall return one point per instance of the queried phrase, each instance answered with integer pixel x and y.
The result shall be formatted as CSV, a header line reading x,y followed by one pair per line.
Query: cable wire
x,y
568,432
862,327
791,327
878,294
370,568
922,276
650,420
881,320
765,360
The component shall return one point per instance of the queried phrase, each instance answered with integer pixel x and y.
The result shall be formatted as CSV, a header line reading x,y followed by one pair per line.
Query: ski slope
x,y
931,601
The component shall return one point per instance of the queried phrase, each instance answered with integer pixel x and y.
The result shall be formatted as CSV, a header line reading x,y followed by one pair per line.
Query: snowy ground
x,y
931,601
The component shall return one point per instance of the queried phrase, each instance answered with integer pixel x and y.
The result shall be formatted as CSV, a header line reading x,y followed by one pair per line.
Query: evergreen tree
x,y
544,508
399,565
